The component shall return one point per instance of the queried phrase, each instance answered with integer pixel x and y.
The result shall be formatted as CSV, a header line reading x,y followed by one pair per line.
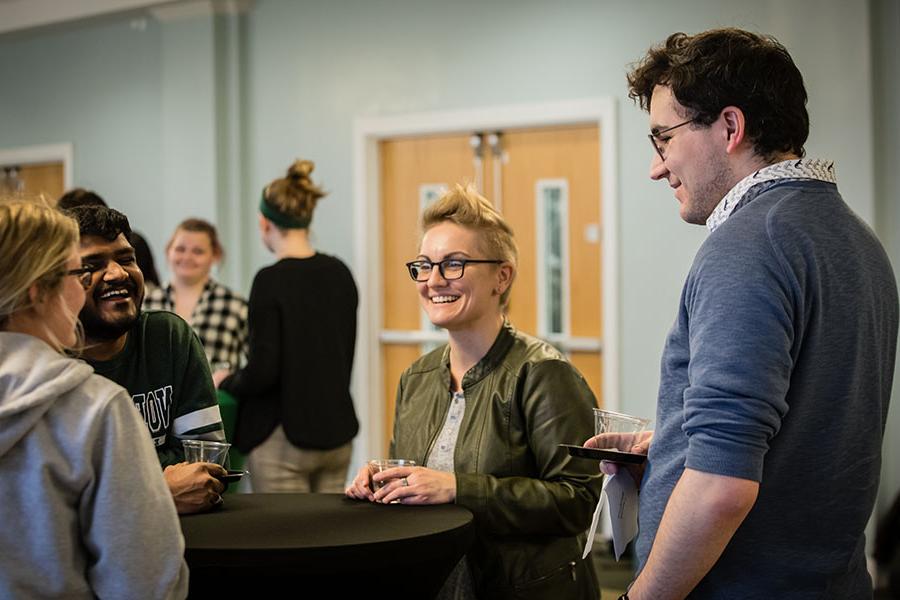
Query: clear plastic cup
x,y
607,421
382,464
621,432
206,451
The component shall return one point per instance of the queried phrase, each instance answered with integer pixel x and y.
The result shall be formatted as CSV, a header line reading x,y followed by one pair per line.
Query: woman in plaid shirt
x,y
217,314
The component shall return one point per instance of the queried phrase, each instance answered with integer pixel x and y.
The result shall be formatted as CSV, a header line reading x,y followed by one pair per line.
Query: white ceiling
x,y
18,15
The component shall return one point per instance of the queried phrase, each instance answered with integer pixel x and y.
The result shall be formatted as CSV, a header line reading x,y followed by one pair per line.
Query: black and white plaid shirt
x,y
220,320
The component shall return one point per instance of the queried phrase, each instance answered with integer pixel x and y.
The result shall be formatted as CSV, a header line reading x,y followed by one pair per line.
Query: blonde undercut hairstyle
x,y
464,206
35,243
295,195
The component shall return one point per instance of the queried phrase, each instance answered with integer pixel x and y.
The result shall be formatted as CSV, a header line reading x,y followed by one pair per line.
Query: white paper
x,y
620,493
622,498
595,521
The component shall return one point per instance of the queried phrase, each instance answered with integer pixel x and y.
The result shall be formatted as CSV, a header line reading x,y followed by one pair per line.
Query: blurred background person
x,y
217,314
82,197
296,417
887,553
484,415
86,511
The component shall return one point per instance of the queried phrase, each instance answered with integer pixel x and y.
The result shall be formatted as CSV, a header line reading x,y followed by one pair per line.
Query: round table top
x,y
261,528
322,540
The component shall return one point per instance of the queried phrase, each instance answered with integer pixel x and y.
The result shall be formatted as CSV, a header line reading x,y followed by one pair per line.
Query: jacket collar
x,y
489,361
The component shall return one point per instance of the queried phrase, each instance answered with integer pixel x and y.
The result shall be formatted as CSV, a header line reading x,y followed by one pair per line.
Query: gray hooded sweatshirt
x,y
84,509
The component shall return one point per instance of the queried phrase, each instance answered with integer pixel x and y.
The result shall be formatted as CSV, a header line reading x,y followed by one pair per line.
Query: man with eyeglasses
x,y
154,355
776,375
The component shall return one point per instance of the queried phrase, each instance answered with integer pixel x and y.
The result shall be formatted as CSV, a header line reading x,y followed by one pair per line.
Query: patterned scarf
x,y
794,169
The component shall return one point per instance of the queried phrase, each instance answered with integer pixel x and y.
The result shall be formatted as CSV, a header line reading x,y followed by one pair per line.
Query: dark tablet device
x,y
232,476
604,454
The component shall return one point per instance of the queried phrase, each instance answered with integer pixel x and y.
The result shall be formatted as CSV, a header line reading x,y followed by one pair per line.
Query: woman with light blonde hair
x,y
295,416
483,415
75,457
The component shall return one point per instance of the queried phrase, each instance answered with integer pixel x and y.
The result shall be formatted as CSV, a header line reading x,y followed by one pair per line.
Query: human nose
x,y
658,169
114,271
436,277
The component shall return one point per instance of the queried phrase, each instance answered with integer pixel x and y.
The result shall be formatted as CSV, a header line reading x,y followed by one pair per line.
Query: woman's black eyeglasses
x,y
84,276
450,268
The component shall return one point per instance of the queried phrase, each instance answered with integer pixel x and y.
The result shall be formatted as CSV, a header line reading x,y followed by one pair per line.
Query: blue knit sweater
x,y
778,369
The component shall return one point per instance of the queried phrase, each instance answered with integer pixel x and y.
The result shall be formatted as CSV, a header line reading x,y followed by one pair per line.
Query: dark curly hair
x,y
79,197
730,67
101,221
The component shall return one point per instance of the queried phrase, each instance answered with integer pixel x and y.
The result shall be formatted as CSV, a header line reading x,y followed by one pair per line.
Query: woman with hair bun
x,y
296,418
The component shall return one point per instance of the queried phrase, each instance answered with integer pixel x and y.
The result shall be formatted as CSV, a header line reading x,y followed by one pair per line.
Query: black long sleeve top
x,y
302,333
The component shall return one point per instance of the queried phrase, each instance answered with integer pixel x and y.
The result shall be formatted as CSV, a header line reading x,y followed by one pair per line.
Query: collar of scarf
x,y
804,168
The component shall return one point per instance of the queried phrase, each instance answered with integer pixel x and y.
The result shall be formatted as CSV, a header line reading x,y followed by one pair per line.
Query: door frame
x,y
368,131
29,155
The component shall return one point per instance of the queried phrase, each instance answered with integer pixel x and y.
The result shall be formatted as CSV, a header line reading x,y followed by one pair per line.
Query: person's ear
x,y
34,293
734,126
504,278
38,299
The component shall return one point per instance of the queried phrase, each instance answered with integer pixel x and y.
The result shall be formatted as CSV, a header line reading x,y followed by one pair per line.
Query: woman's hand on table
x,y
195,487
415,485
636,443
359,488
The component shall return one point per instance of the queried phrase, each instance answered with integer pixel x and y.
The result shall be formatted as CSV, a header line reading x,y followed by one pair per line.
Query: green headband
x,y
278,217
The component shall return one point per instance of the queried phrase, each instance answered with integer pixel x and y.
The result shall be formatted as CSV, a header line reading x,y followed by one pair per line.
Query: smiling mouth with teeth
x,y
444,299
115,294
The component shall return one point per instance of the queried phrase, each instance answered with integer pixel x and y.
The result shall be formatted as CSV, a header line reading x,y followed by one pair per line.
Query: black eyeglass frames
x,y
450,268
659,143
84,276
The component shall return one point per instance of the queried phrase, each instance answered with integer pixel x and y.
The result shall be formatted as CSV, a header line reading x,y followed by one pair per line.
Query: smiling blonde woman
x,y
484,415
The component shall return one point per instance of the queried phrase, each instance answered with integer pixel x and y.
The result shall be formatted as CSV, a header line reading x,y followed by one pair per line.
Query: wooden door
x,y
35,179
546,182
413,171
561,165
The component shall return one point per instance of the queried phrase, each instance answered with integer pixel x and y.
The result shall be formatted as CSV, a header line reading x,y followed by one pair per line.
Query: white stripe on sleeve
x,y
197,419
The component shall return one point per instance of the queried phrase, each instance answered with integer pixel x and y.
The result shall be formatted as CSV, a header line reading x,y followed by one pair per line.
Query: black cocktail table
x,y
306,542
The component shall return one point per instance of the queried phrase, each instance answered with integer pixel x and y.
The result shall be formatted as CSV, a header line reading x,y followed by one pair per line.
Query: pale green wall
x,y
98,86
145,108
189,120
886,58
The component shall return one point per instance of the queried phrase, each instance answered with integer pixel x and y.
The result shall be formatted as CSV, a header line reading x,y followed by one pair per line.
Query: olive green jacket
x,y
532,503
